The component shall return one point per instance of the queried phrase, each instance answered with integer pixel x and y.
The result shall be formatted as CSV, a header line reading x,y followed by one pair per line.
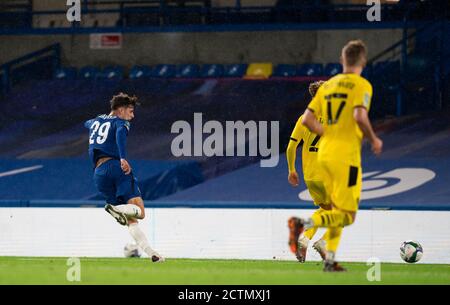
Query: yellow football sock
x,y
309,233
333,238
333,218
325,235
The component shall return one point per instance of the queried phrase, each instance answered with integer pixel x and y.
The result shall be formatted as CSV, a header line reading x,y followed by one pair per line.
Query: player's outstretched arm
x,y
362,119
310,121
291,152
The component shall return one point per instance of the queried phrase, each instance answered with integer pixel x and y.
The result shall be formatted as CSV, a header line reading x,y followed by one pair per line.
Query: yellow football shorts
x,y
343,183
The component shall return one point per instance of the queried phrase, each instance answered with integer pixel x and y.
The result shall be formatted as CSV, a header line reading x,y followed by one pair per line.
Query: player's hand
x,y
293,179
377,146
125,166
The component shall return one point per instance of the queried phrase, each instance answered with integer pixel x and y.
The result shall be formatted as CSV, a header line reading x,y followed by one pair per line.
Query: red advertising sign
x,y
106,41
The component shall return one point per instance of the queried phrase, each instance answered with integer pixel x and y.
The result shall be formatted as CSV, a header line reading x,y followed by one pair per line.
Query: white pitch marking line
x,y
20,170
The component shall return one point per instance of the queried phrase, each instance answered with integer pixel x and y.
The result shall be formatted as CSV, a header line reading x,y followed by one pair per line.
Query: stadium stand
x,y
40,64
156,179
23,15
268,188
54,101
42,131
415,142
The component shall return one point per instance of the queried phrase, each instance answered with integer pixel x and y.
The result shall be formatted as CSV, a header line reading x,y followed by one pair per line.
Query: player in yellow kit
x,y
312,177
343,102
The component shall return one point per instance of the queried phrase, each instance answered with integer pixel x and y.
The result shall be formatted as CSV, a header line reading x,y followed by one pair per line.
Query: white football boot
x,y
303,242
320,247
119,216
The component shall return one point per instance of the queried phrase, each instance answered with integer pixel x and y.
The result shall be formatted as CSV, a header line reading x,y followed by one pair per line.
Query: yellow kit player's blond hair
x,y
354,53
313,87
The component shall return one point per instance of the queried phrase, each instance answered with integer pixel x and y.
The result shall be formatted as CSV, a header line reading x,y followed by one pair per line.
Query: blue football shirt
x,y
107,137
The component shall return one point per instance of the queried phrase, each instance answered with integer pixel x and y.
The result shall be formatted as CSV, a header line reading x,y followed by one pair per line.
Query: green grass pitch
x,y
34,270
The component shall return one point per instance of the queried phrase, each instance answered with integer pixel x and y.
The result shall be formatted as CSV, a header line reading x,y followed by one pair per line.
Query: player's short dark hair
x,y
355,53
123,100
314,86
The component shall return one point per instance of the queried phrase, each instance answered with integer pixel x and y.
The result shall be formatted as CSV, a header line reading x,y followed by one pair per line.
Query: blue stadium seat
x,y
88,72
284,70
140,71
188,71
310,70
332,69
164,71
212,71
111,72
66,73
236,70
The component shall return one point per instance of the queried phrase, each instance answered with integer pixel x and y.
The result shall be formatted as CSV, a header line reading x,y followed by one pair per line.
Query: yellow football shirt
x,y
334,102
310,141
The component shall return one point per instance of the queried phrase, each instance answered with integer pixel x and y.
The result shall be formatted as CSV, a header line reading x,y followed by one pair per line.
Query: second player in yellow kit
x,y
312,175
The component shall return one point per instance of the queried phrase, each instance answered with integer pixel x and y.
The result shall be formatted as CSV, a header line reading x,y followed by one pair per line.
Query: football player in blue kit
x,y
113,175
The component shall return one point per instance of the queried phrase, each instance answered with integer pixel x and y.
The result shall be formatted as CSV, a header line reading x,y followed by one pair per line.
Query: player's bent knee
x,y
349,218
142,211
140,204
142,214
